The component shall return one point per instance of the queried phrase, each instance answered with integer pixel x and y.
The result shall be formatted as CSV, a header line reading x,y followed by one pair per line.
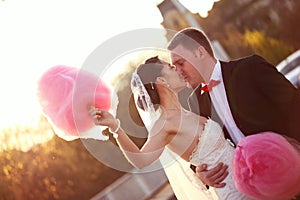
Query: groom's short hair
x,y
191,38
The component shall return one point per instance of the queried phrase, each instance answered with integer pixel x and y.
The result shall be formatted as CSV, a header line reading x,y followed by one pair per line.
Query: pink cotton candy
x,y
66,94
266,166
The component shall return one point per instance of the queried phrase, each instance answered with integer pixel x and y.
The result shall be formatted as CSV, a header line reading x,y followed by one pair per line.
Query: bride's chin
x,y
182,87
185,85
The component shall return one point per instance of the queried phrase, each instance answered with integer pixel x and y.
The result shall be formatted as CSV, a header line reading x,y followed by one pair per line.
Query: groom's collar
x,y
217,73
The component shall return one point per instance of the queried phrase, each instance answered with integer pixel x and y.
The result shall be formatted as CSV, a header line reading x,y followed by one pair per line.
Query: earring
x,y
152,87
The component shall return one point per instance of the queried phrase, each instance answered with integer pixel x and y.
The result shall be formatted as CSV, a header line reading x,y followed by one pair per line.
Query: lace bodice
x,y
212,149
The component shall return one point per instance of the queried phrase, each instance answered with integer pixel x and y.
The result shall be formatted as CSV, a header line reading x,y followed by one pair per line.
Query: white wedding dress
x,y
211,149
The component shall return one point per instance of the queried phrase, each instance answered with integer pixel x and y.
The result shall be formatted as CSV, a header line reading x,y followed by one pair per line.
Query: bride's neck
x,y
169,101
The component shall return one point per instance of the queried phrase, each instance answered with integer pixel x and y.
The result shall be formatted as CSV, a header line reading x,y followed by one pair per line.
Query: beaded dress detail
x,y
211,149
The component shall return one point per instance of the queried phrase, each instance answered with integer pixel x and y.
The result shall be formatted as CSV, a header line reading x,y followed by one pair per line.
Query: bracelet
x,y
115,132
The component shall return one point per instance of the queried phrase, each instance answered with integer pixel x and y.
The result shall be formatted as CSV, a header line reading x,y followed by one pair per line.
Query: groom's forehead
x,y
179,52
177,56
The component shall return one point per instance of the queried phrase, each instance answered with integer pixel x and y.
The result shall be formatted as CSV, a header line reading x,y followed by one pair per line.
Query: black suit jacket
x,y
260,98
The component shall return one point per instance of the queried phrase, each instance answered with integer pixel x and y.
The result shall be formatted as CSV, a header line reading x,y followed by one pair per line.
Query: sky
x,y
36,35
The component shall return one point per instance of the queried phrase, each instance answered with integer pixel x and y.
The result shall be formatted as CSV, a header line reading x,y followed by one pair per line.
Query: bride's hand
x,y
103,118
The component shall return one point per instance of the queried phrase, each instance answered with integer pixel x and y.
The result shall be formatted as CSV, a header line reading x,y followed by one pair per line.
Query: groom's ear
x,y
201,51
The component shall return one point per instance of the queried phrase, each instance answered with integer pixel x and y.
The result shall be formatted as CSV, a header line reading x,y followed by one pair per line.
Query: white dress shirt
x,y
220,102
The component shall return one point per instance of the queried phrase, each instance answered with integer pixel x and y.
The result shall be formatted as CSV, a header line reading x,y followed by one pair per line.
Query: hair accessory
x,y
115,132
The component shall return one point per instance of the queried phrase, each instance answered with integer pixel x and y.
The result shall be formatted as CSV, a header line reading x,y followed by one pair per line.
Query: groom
x,y
249,95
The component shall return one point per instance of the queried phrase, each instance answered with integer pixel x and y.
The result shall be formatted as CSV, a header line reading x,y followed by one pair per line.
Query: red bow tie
x,y
210,85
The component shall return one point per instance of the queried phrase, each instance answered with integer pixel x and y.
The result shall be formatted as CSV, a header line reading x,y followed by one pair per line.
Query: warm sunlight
x,y
37,35
31,44
101,97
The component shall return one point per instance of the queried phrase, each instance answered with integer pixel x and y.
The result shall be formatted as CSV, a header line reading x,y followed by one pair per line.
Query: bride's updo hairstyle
x,y
148,72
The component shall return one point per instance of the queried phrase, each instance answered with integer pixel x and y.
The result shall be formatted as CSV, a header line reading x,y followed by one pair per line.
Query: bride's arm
x,y
139,158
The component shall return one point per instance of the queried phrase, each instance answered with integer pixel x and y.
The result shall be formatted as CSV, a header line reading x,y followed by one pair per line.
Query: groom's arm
x,y
214,176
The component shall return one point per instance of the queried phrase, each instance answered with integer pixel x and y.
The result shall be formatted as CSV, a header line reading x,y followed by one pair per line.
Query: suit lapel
x,y
229,84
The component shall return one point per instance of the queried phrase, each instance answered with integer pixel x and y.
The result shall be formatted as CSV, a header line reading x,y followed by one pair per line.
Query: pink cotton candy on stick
x,y
66,94
266,166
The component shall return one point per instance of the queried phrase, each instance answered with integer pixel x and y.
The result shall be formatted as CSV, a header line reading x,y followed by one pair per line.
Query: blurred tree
x,y
235,43
289,30
277,19
271,49
56,169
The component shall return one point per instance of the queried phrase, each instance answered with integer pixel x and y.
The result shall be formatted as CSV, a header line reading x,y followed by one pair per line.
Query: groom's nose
x,y
178,69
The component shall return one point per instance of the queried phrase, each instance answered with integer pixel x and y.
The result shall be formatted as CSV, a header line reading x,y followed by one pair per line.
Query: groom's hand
x,y
214,176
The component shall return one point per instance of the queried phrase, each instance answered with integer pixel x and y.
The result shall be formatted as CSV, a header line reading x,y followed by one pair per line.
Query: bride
x,y
194,138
